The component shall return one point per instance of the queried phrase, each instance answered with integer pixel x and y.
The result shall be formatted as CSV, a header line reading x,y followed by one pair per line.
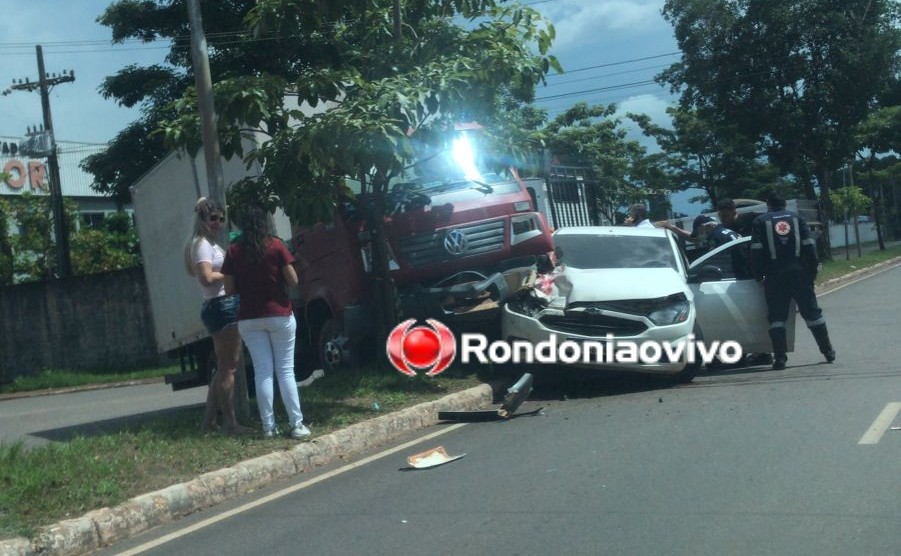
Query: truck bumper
x,y
479,296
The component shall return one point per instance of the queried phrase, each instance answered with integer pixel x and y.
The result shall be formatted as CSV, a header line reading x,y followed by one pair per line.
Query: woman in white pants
x,y
259,268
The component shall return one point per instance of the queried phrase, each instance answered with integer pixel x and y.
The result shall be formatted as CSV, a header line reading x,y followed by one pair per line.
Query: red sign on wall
x,y
35,173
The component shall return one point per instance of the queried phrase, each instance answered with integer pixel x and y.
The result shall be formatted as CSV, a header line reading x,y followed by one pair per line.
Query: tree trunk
x,y
857,235
383,292
847,241
878,214
824,179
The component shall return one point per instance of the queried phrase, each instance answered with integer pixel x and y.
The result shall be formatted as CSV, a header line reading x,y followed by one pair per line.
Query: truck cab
x,y
460,229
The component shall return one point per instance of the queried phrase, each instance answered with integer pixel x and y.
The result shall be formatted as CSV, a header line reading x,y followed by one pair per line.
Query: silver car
x,y
617,285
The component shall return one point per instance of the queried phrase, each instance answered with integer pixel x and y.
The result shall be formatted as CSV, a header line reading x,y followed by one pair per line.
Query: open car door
x,y
730,304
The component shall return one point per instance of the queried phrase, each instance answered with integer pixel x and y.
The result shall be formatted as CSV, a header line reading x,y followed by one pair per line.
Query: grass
x,y
53,379
42,485
838,266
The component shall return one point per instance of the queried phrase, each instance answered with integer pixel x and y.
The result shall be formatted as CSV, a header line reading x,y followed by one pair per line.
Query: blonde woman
x,y
203,260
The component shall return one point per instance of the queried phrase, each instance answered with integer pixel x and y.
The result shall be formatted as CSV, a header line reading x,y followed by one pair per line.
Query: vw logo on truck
x,y
455,242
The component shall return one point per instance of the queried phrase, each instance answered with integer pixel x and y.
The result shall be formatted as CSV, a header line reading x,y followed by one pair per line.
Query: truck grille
x,y
429,248
593,325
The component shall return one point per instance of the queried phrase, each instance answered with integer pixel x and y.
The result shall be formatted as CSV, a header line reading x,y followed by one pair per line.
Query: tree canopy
x,y
386,95
797,77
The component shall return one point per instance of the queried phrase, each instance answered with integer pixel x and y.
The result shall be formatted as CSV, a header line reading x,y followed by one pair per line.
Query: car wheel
x,y
690,371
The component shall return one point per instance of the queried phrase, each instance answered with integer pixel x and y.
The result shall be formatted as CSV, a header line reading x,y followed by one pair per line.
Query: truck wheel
x,y
331,348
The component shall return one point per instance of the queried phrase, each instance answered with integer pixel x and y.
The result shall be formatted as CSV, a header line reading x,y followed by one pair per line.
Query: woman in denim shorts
x,y
203,259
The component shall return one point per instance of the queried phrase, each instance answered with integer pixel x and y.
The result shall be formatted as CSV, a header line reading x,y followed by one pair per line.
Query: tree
x,y
7,257
592,136
850,201
154,88
797,77
879,134
389,98
113,246
30,255
704,152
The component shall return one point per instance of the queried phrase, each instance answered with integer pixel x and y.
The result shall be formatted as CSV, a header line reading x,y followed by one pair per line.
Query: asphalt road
x,y
39,420
750,461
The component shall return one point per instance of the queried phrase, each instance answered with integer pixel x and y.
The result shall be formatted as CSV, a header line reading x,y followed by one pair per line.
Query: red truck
x,y
459,235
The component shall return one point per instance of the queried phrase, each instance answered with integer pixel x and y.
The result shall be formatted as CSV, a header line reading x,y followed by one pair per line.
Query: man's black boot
x,y
821,335
780,348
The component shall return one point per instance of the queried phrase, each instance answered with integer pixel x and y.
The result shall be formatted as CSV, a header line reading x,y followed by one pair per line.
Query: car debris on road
x,y
514,398
431,458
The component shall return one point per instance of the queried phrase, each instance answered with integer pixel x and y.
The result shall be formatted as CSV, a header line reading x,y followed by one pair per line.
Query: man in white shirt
x,y
638,217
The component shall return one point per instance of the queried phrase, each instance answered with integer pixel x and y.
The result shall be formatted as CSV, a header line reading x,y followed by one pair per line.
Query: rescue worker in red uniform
x,y
783,257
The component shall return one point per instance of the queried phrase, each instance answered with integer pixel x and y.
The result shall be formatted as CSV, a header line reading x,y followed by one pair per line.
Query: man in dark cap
x,y
783,257
705,230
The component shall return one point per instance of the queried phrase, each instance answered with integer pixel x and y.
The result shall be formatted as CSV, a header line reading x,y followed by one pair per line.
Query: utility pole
x,y
203,82
45,81
204,85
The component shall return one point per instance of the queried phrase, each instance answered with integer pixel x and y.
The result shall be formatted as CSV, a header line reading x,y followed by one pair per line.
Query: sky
x,y
609,49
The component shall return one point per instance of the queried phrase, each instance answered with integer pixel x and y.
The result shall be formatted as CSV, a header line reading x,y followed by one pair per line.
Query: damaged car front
x,y
610,286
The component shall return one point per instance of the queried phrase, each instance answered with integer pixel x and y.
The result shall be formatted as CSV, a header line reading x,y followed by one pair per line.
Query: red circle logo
x,y
783,228
430,347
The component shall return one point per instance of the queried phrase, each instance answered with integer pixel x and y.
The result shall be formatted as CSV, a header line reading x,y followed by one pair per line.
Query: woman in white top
x,y
203,259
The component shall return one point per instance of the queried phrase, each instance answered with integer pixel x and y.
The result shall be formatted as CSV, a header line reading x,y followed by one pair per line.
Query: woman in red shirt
x,y
259,268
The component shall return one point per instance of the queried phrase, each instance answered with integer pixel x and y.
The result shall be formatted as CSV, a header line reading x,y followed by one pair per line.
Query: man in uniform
x,y
728,215
783,257
706,233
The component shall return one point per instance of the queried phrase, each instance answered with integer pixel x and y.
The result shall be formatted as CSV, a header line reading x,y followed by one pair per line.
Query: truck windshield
x,y
460,165
611,251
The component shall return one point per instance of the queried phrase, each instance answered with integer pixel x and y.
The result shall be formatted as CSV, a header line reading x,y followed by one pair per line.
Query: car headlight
x,y
671,311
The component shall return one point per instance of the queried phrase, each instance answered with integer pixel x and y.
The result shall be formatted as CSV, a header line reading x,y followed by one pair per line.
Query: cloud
x,y
580,22
654,106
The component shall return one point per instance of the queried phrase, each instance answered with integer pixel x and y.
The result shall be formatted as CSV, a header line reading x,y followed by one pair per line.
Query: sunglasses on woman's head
x,y
215,218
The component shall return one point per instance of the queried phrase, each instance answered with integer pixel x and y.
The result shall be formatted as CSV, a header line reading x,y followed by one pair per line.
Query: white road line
x,y
881,424
284,492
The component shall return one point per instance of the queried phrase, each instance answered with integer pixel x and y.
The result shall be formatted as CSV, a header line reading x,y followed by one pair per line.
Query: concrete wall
x,y
837,233
97,322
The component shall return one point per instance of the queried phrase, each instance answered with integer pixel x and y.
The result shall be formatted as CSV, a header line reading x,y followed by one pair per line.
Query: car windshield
x,y
613,251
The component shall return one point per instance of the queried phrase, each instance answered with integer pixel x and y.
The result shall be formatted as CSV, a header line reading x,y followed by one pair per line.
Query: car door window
x,y
733,261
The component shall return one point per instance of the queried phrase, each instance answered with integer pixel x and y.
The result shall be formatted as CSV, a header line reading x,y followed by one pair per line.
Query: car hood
x,y
613,284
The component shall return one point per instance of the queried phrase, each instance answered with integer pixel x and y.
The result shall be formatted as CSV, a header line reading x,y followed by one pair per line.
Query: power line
x,y
656,66
620,63
599,89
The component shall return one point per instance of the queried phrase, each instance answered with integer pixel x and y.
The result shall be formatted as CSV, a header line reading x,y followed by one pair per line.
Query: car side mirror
x,y
707,273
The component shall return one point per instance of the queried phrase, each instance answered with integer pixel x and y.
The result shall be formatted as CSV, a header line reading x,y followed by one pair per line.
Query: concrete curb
x,y
101,528
834,283
85,388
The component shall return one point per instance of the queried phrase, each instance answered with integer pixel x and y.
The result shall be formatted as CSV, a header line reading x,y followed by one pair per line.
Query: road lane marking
x,y
881,424
284,492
